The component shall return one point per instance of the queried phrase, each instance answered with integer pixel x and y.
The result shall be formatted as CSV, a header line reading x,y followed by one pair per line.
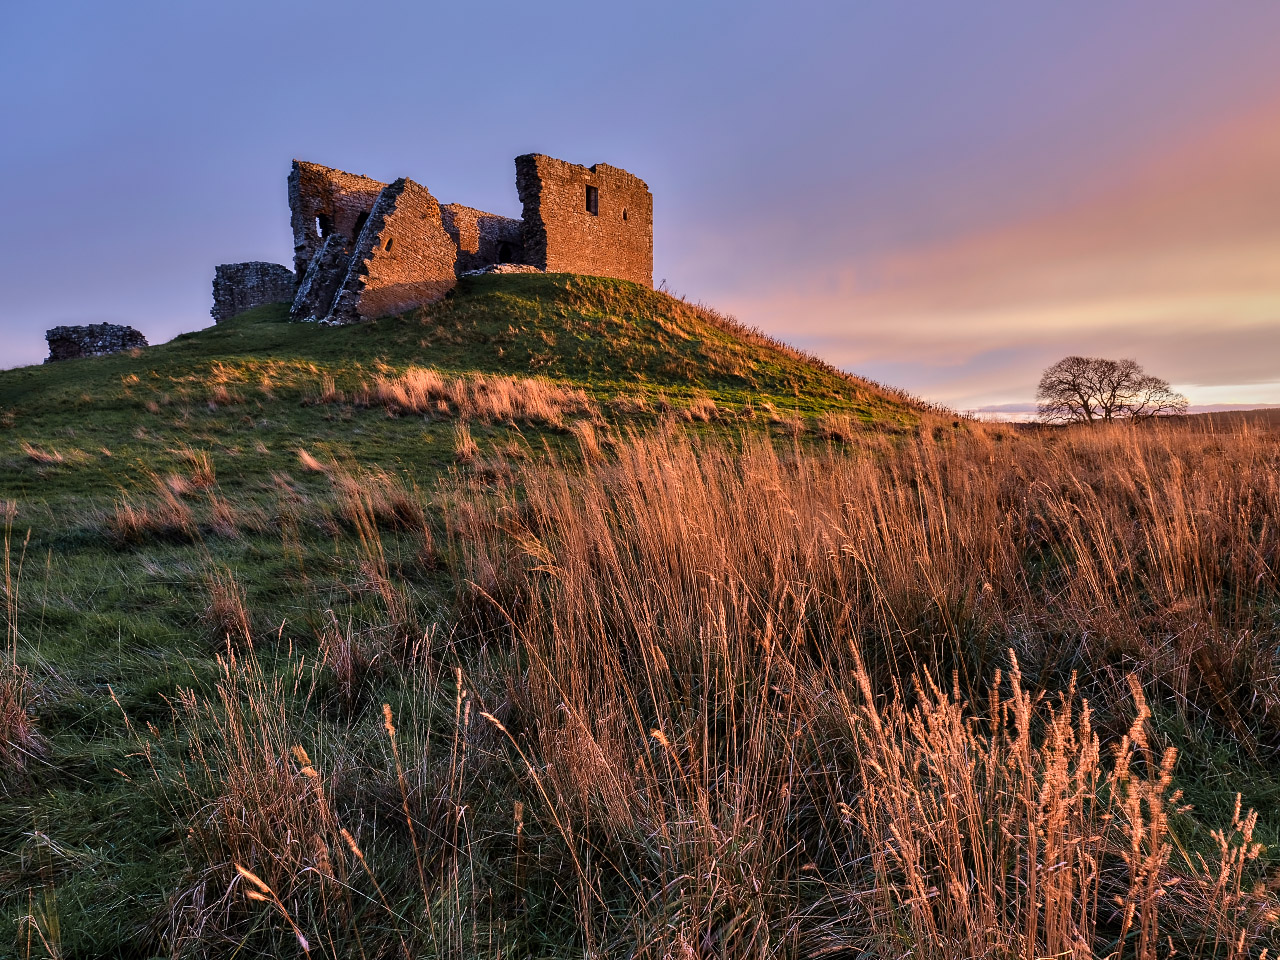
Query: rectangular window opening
x,y
593,201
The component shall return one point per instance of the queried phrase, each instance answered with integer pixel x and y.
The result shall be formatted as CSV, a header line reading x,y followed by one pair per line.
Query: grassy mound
x,y
256,387
268,484
564,618
610,336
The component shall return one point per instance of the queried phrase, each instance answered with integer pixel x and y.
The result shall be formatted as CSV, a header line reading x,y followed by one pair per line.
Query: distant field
x,y
566,619
1270,416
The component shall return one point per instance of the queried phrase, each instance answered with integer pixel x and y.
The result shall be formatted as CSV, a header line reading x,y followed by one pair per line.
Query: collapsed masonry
x,y
92,340
365,249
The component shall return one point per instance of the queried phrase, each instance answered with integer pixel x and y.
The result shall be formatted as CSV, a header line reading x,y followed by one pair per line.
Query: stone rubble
x,y
502,268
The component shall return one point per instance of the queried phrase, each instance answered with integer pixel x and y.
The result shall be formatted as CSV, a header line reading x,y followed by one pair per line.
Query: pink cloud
x,y
1174,257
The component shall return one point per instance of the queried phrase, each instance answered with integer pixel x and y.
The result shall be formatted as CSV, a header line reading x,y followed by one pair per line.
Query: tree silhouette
x,y
1085,389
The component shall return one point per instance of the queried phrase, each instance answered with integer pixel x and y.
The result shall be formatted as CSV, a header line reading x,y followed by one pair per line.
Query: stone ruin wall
x,y
324,201
342,225
238,287
93,340
351,274
482,238
323,279
403,257
562,235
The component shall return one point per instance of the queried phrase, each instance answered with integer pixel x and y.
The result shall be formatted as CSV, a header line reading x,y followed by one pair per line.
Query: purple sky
x,y
943,196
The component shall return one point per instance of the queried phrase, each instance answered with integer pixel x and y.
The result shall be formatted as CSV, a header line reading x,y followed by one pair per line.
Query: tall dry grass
x,y
1104,552
183,505
735,700
777,621
21,743
487,398
355,841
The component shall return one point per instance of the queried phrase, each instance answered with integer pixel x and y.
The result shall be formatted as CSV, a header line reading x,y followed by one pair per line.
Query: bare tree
x,y
1085,389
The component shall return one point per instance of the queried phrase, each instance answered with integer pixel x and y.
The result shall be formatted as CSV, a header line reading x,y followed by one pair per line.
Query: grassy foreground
x,y
358,642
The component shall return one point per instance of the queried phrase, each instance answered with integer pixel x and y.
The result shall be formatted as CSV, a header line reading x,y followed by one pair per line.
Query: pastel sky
x,y
943,196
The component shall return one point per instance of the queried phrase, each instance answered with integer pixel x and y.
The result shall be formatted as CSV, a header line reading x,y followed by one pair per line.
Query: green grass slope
x,y
608,335
240,384
147,497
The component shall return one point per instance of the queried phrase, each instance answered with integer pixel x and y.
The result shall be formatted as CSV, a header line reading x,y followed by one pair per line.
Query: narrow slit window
x,y
593,201
624,213
389,241
360,222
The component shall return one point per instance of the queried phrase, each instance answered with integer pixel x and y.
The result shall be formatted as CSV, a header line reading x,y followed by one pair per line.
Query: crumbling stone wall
x,y
238,287
93,340
593,220
403,257
321,282
324,201
482,238
364,249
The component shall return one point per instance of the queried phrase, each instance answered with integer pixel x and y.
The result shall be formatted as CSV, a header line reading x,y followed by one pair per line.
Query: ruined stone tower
x,y
364,249
594,220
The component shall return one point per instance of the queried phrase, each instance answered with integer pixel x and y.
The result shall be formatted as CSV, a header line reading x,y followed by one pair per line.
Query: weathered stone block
x,y
364,249
93,340
238,287
323,202
501,268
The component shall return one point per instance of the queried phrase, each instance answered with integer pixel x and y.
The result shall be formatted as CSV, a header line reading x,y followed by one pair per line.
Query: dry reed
x,y
760,615
40,455
226,613
138,518
877,700
486,398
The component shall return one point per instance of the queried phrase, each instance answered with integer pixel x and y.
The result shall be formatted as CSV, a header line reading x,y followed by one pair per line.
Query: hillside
x,y
243,383
267,485
362,642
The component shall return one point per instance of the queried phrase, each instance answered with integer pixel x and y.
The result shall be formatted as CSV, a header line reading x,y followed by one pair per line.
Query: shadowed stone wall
x,y
482,238
323,278
324,201
238,287
93,340
593,220
403,257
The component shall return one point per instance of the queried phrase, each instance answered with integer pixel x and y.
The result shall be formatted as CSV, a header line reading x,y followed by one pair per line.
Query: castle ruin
x,y
364,249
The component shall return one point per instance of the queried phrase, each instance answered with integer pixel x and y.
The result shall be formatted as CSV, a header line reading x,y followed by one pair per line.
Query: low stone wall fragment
x,y
238,287
92,340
